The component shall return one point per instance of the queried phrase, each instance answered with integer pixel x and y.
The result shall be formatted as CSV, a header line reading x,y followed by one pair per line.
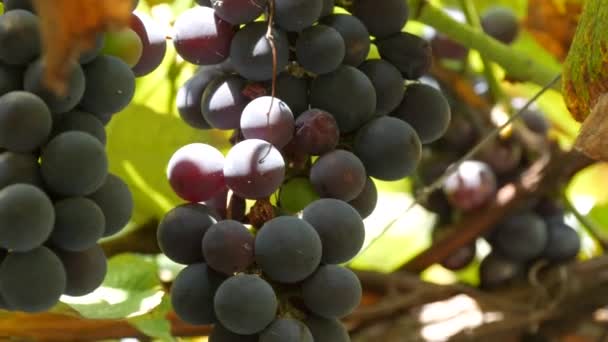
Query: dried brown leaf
x,y
593,138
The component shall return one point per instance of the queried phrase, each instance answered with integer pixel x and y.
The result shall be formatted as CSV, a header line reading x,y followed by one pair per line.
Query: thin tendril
x,y
270,38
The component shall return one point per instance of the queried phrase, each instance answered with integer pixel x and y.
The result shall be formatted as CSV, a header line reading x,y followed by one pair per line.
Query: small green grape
x,y
296,194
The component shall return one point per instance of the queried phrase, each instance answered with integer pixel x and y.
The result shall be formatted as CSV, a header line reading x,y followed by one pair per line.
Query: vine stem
x,y
517,65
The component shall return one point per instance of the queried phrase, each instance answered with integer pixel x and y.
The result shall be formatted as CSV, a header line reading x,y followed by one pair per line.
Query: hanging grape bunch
x,y
314,121
57,198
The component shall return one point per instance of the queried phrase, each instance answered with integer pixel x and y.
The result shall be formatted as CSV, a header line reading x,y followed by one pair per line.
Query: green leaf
x,y
155,323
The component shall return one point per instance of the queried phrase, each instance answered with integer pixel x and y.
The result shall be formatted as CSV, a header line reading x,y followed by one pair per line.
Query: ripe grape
x,y
254,169
296,15
459,259
201,37
444,47
19,168
26,217
365,202
116,202
286,329
74,164
326,329
25,121
245,304
221,203
89,55
470,186
382,18
387,82
503,156
223,101
221,334
19,37
320,49
338,174
195,172
287,249
521,237
181,231
189,96
355,35
347,94
228,247
563,242
32,281
332,291
534,120
11,78
85,270
154,44
124,44
409,53
339,226
10,5
316,132
293,91
500,23
268,119
251,52
82,122
426,109
496,270
110,85
79,223
192,293
296,193
238,12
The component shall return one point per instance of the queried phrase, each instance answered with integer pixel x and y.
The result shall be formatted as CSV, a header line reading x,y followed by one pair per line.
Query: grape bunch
x,y
57,198
314,121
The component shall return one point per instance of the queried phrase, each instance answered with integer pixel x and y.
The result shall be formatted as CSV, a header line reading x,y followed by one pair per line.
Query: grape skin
x,y
10,5
471,186
228,247
189,96
347,94
339,226
245,304
79,223
293,91
254,169
25,121
19,37
332,291
192,294
268,119
409,53
355,35
11,78
427,110
326,329
328,8
287,249
26,217
286,329
296,193
338,174
389,148
181,231
195,172
115,200
82,122
500,23
20,280
74,164
296,15
110,85
85,270
317,132
387,82
563,242
221,334
221,202
366,201
201,37
223,101
238,12
320,49
496,270
521,237
19,168
251,52
382,18
124,44
153,41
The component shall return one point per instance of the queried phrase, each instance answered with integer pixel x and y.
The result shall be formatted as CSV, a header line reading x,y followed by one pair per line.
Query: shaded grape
x,y
85,270
115,200
316,132
338,174
287,249
90,54
296,15
355,35
268,119
502,155
328,8
409,53
471,186
25,121
535,120
238,12
223,101
221,334
286,330
19,168
189,96
10,5
366,201
11,78
82,122
520,237
332,291
228,247
320,49
154,43
225,206
326,329
293,91
19,37
500,23
387,82
110,85
495,270
382,18
79,223
563,242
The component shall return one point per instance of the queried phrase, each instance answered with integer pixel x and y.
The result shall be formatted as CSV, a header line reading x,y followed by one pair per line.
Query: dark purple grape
x,y
536,121
19,168
19,37
338,174
326,329
79,223
190,95
563,242
228,247
254,169
85,270
496,270
520,237
286,329
388,83
382,18
355,35
223,101
320,49
180,233
503,156
296,15
365,202
471,186
221,334
201,37
460,136
10,5
332,291
268,118
153,40
195,172
459,259
316,132
228,207
116,201
426,109
293,91
110,85
11,78
25,121
251,52
34,83
238,12
500,23
409,53
82,122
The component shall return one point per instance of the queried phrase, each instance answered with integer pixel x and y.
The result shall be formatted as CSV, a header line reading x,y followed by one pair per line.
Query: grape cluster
x,y
313,120
57,198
